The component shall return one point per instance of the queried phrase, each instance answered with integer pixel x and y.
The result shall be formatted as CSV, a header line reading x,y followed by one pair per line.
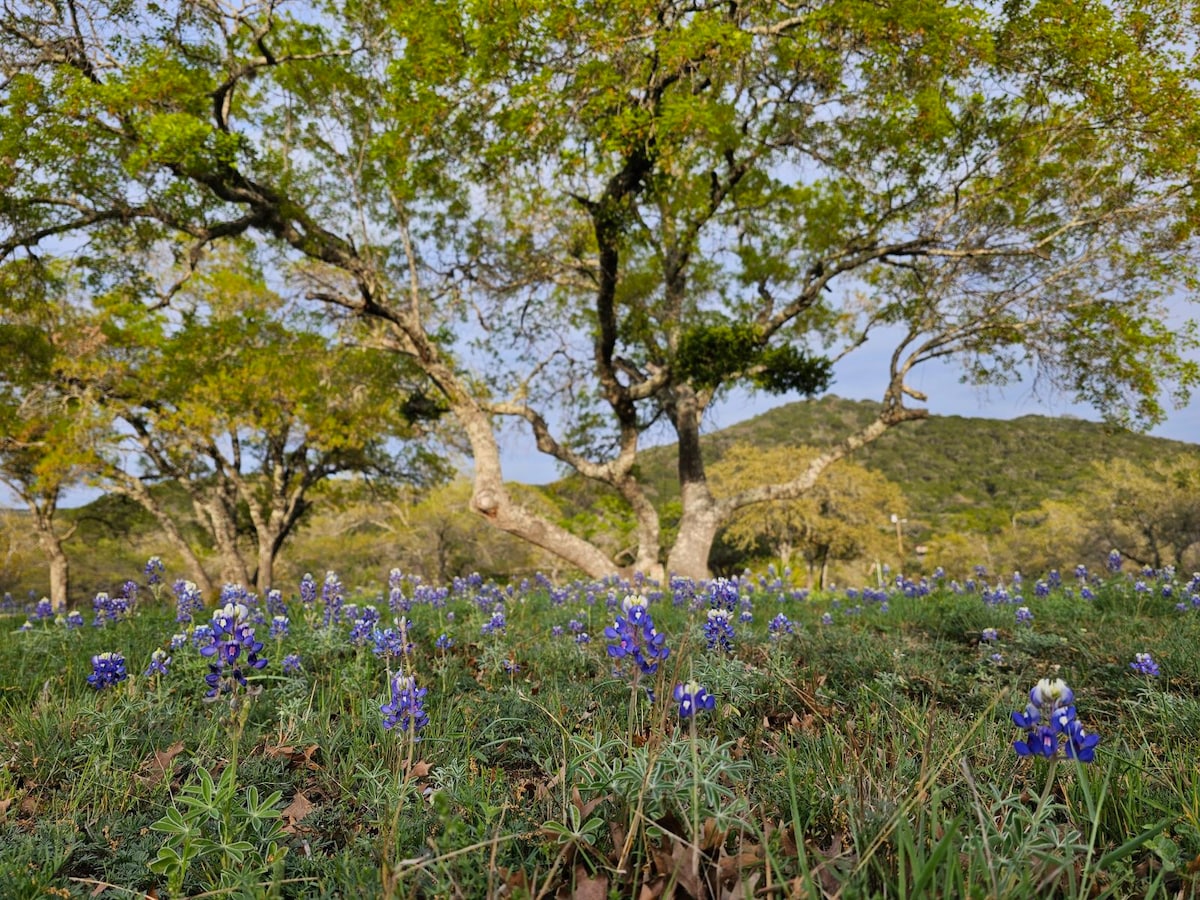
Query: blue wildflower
x,y
692,698
159,660
634,635
291,664
279,627
107,670
1050,714
231,635
154,571
718,631
1144,664
1024,616
780,626
407,708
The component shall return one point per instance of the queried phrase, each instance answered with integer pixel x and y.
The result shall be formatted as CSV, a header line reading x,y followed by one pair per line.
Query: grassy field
x,y
860,743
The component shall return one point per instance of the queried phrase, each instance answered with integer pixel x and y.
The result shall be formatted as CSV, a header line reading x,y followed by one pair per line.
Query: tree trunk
x,y
59,568
491,499
224,532
701,517
136,490
42,507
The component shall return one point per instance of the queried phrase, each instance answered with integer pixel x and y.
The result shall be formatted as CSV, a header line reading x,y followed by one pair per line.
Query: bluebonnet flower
x,y
308,589
188,600
275,604
158,662
365,622
634,634
779,626
988,635
107,669
333,594
1086,593
201,636
397,602
1144,664
407,708
556,631
497,623
1113,562
280,626
154,571
74,619
444,641
1049,715
511,666
178,640
1024,616
291,664
28,626
718,631
827,619
391,642
231,634
1081,572
692,698
582,638
108,609
723,594
44,609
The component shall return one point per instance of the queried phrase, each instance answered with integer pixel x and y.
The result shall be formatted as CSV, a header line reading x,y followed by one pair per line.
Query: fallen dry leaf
x,y
588,887
295,811
154,767
297,759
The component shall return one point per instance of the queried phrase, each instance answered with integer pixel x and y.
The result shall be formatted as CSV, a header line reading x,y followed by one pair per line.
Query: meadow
x,y
957,735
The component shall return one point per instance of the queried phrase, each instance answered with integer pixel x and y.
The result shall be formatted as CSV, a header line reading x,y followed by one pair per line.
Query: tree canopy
x,y
596,218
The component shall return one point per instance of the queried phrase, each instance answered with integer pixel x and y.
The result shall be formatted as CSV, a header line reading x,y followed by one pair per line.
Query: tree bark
x,y
59,566
136,490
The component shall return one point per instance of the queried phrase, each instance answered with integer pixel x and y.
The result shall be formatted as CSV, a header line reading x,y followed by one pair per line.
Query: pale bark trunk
x,y
137,491
697,530
701,517
58,565
224,531
490,497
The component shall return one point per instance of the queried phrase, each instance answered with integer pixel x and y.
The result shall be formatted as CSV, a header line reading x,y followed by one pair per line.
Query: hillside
x,y
962,476
958,472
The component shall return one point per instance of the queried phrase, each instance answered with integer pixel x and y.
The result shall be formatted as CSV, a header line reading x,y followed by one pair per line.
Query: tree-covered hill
x,y
962,476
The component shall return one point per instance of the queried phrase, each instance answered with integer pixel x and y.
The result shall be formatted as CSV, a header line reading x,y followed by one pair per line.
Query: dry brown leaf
x,y
685,876
297,759
4,805
419,769
712,836
652,890
29,805
588,887
154,767
731,866
742,889
585,809
295,811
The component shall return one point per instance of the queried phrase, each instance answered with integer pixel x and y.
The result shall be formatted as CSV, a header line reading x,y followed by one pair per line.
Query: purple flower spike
x,y
692,698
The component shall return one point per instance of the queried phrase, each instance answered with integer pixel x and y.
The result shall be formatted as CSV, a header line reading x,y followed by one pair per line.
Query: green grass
x,y
870,757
